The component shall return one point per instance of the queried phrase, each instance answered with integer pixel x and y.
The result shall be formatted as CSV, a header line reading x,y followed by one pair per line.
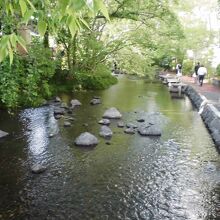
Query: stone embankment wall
x,y
208,112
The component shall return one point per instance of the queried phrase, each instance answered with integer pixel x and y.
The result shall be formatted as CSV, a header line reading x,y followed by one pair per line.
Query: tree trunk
x,y
46,39
74,49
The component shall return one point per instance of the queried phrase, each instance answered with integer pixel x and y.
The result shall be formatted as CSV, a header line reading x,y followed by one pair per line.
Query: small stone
x,y
95,101
129,131
75,102
105,132
131,125
140,120
96,97
120,124
70,118
38,168
64,105
59,111
104,121
85,125
67,124
57,99
51,135
58,116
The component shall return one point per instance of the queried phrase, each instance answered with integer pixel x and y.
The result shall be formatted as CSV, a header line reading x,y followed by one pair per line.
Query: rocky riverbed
x,y
46,174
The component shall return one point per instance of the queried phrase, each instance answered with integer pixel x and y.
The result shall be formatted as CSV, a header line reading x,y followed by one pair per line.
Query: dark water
x,y
176,176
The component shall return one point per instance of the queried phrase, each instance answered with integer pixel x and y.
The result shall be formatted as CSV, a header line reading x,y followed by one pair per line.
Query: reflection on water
x,y
176,176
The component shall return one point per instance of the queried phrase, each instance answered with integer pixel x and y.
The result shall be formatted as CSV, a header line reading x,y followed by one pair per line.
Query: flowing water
x,y
176,176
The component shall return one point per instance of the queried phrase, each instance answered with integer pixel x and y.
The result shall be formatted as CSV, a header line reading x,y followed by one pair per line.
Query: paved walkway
x,y
211,92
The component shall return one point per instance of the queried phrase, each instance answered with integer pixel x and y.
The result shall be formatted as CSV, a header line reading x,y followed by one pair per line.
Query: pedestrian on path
x,y
202,71
195,74
179,70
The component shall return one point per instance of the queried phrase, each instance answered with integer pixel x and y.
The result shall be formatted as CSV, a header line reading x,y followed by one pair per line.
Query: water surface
x,y
176,176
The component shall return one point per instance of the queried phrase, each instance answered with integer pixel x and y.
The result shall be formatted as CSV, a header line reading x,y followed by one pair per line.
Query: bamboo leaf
x,y
22,43
3,53
63,5
73,27
42,27
28,15
84,22
11,9
13,40
32,6
11,56
4,41
99,5
77,4
23,7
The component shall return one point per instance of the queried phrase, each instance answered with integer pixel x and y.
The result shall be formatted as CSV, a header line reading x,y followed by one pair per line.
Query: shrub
x,y
187,67
101,78
25,82
218,70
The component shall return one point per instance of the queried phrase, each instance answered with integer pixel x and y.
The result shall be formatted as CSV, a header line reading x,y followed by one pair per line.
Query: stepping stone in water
x,y
120,124
112,113
129,131
105,132
86,139
104,121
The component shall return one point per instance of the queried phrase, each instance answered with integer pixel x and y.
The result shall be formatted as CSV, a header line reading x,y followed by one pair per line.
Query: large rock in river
x,y
86,140
152,130
112,113
3,134
59,111
105,132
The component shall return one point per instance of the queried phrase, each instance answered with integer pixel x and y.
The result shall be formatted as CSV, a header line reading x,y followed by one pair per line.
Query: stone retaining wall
x,y
208,112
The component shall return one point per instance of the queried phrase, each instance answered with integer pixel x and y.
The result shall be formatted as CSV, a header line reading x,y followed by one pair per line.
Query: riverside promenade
x,y
206,99
211,92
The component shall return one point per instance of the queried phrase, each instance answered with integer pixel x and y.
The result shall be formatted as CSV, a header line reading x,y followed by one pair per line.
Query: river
x,y
175,176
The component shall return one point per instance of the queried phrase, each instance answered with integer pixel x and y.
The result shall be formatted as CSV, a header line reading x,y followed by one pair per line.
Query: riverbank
x,y
207,101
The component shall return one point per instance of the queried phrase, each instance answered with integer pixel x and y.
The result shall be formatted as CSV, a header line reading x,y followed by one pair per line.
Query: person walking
x,y
195,74
202,71
196,68
179,70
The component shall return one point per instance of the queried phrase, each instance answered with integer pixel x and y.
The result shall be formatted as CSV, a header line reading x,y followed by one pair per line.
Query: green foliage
x,y
218,70
25,82
188,67
95,81
101,79
68,13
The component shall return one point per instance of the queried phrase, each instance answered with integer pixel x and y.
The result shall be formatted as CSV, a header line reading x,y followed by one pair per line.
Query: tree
x,y
48,15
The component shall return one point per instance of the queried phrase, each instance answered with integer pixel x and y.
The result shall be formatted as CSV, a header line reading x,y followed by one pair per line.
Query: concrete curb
x,y
208,112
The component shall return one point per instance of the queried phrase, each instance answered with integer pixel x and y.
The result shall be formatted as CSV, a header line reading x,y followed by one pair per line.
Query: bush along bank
x,y
32,79
209,113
